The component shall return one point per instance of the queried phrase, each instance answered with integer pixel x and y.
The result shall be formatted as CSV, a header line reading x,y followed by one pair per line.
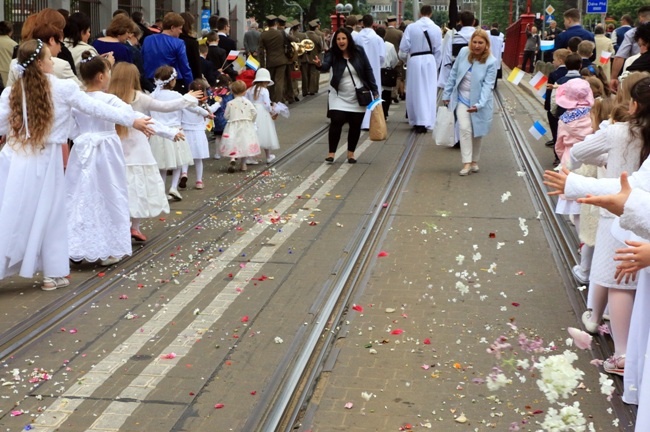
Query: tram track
x,y
27,331
564,244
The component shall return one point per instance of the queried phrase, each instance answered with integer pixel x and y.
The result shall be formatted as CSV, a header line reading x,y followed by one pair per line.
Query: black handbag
x,y
388,77
364,96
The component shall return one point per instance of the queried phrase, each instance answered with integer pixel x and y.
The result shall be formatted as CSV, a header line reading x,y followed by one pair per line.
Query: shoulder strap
x,y
350,72
426,35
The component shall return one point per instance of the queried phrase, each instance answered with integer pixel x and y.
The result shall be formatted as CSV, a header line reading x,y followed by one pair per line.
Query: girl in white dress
x,y
259,95
239,139
146,190
36,115
193,121
169,155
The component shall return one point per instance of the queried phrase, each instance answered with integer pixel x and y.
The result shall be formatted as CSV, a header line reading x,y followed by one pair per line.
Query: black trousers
x,y
553,122
338,119
528,56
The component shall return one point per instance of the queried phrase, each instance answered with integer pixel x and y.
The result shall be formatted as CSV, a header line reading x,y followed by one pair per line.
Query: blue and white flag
x,y
537,130
546,45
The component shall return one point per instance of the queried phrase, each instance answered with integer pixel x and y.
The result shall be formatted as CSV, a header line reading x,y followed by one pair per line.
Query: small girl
x,y
222,96
239,139
169,155
193,123
33,216
147,196
259,95
576,98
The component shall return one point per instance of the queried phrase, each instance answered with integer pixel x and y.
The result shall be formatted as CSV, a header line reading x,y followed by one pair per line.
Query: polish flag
x,y
604,57
539,81
232,55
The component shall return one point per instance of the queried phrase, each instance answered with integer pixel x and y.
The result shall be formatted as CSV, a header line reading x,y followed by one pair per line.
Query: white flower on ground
x,y
476,256
558,376
497,380
606,385
568,419
505,196
460,259
523,226
462,288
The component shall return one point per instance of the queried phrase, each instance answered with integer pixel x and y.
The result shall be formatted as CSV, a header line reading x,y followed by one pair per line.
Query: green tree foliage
x,y
312,9
618,8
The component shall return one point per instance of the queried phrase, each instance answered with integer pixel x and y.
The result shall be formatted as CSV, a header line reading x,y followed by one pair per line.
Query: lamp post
x,y
342,9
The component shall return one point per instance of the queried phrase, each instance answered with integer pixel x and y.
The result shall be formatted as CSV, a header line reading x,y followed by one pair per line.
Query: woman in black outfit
x,y
191,45
350,70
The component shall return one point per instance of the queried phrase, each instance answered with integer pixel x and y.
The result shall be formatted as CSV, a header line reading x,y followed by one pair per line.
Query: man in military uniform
x,y
394,36
272,57
296,67
310,74
288,87
321,37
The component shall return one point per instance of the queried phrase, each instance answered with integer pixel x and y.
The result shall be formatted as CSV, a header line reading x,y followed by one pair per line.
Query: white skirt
x,y
147,196
170,154
268,137
96,198
198,142
636,385
33,219
603,266
239,140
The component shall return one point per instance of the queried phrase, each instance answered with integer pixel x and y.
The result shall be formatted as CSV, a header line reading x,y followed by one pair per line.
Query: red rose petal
x,y
382,254
397,332
427,341
358,308
219,406
244,318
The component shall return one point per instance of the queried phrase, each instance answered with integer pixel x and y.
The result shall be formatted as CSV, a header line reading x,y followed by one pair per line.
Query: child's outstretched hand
x,y
556,180
142,124
634,258
614,203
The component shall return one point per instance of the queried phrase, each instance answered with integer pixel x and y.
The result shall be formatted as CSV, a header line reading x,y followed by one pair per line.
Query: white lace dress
x,y
193,120
95,180
239,137
169,154
33,217
622,154
266,132
147,196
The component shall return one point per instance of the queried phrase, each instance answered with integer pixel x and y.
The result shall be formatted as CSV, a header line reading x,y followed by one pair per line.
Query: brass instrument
x,y
300,48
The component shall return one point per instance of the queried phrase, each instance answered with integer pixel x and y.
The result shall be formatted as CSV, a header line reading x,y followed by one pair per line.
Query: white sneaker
x,y
175,195
251,161
270,159
216,156
109,261
590,326
581,276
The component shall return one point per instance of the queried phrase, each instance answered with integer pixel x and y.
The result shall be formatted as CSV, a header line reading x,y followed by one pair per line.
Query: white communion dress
x,y
266,133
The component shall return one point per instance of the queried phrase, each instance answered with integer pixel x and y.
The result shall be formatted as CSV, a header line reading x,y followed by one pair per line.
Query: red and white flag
x,y
232,55
605,56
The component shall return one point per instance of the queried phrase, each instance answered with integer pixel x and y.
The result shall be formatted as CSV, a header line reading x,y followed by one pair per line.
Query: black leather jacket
x,y
361,64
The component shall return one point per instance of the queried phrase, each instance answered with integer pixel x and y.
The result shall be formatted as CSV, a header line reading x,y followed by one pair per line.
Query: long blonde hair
x,y
125,83
34,91
486,54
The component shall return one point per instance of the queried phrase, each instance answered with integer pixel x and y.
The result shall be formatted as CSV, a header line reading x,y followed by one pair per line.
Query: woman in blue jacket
x,y
350,69
468,93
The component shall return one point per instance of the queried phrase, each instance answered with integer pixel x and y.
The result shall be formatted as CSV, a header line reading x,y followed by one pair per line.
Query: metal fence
x,y
90,8
130,5
17,12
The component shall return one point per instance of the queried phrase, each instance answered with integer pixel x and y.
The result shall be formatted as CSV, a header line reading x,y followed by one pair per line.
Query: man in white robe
x,y
421,49
459,39
375,50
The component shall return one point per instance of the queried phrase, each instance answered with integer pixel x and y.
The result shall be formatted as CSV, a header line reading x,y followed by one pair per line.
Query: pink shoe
x,y
199,185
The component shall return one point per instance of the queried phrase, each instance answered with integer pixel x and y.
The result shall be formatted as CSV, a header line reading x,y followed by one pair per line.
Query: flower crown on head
x,y
163,83
37,51
89,58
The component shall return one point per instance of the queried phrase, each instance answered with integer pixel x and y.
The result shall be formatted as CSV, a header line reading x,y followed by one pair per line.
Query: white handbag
x,y
443,131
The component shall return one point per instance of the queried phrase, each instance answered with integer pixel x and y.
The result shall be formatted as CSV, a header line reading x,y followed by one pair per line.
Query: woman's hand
x,y
142,124
472,109
614,203
179,136
446,102
633,259
196,93
109,56
556,180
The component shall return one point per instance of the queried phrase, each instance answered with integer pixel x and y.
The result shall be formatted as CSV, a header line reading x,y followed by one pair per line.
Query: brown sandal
x,y
50,284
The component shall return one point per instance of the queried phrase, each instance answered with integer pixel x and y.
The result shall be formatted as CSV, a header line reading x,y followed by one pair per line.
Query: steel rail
x,y
26,331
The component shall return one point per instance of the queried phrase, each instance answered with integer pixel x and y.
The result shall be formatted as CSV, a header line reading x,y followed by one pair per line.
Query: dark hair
x,y
573,43
367,21
199,84
64,12
466,18
352,46
222,23
120,12
426,10
599,29
136,16
76,24
640,120
381,32
223,80
573,62
91,65
163,73
642,33
495,25
573,14
212,21
188,25
212,37
6,27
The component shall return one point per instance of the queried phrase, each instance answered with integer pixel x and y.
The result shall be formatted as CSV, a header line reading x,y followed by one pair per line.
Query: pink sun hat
x,y
575,93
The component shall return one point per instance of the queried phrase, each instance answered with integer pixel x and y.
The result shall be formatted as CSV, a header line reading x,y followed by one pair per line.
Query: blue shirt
x,y
121,52
562,40
164,50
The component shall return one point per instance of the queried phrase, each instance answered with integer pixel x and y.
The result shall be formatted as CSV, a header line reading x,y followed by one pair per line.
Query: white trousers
x,y
470,147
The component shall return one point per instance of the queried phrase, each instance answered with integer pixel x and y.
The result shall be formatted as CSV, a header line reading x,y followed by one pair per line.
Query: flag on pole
x,y
604,57
239,63
539,81
516,76
546,45
252,63
232,55
537,130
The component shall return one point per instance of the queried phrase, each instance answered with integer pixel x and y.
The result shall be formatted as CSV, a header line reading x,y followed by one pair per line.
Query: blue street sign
x,y
596,6
549,18
205,18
